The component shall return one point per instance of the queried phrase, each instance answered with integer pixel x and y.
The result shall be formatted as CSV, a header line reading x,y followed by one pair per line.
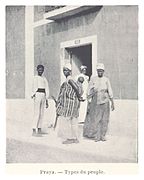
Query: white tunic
x,y
102,87
40,82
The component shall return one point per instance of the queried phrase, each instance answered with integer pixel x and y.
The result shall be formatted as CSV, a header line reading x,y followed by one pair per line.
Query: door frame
x,y
76,43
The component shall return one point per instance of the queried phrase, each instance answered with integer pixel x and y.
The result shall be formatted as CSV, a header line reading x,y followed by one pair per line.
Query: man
x,y
67,108
40,94
97,119
83,104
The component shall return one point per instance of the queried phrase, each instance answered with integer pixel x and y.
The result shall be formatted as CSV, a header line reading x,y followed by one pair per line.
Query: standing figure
x,y
84,102
100,92
67,108
40,94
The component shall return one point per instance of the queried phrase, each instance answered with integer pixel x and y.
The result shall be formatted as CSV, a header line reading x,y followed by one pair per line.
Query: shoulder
x,y
87,77
71,78
63,84
76,77
44,78
106,78
93,78
35,77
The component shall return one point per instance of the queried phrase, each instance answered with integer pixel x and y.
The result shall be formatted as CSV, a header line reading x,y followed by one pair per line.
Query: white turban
x,y
83,67
100,66
68,66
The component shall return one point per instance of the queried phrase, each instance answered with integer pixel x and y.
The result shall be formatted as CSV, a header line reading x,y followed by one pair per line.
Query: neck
x,y
67,76
39,74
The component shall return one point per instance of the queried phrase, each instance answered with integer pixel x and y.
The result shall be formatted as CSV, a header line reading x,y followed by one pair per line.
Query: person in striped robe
x,y
67,108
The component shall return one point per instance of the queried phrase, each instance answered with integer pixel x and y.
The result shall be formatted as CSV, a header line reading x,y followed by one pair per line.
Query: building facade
x,y
53,35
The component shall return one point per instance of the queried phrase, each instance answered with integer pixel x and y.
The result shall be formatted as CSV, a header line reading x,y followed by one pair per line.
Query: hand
x,y
112,107
81,99
33,96
89,100
88,108
47,104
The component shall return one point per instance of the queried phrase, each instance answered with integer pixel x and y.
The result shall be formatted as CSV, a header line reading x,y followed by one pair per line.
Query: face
x,y
81,79
66,72
100,72
40,71
84,71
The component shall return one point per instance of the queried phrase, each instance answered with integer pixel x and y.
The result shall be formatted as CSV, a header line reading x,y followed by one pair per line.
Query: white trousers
x,y
39,105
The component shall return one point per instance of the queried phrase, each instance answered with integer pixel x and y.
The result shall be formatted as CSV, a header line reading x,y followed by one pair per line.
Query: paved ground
x,y
24,152
22,147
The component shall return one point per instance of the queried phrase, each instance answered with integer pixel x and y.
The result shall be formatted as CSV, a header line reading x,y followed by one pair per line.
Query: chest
x,y
100,83
40,81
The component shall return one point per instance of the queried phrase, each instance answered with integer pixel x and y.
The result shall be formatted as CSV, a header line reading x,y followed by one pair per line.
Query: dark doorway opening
x,y
81,55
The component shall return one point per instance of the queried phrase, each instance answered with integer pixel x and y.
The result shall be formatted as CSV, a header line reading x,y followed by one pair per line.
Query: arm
x,y
112,104
110,92
34,87
75,87
60,100
91,89
47,105
47,92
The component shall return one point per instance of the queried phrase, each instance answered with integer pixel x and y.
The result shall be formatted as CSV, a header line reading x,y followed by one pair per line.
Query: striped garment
x,y
68,103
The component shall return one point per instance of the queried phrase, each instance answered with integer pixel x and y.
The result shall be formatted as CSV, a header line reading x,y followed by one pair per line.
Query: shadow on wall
x,y
81,19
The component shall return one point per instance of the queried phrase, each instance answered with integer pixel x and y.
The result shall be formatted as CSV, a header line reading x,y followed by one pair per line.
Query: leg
x,y
42,104
36,115
72,135
36,111
92,123
34,132
74,129
63,128
97,122
105,120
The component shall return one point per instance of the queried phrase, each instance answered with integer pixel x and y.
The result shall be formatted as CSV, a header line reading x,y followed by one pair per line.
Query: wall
x,y
116,28
15,51
118,48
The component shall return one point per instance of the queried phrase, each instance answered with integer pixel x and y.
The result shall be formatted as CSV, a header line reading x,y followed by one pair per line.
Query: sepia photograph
x,y
71,83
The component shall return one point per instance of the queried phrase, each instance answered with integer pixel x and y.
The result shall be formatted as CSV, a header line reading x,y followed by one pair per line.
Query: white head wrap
x,y
83,67
68,66
100,66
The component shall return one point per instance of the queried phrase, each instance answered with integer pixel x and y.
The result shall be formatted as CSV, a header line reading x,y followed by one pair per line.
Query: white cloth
x,y
39,105
83,105
82,111
40,82
84,84
102,87
68,65
100,66
67,128
83,67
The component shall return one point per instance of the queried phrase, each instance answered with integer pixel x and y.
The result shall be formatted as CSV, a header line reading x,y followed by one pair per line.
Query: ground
x,y
22,147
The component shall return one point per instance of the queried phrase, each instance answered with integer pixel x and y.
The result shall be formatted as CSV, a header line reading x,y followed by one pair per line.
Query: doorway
x,y
81,55
82,51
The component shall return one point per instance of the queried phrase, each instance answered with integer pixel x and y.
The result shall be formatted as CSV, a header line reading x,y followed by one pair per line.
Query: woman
x,y
100,92
67,108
